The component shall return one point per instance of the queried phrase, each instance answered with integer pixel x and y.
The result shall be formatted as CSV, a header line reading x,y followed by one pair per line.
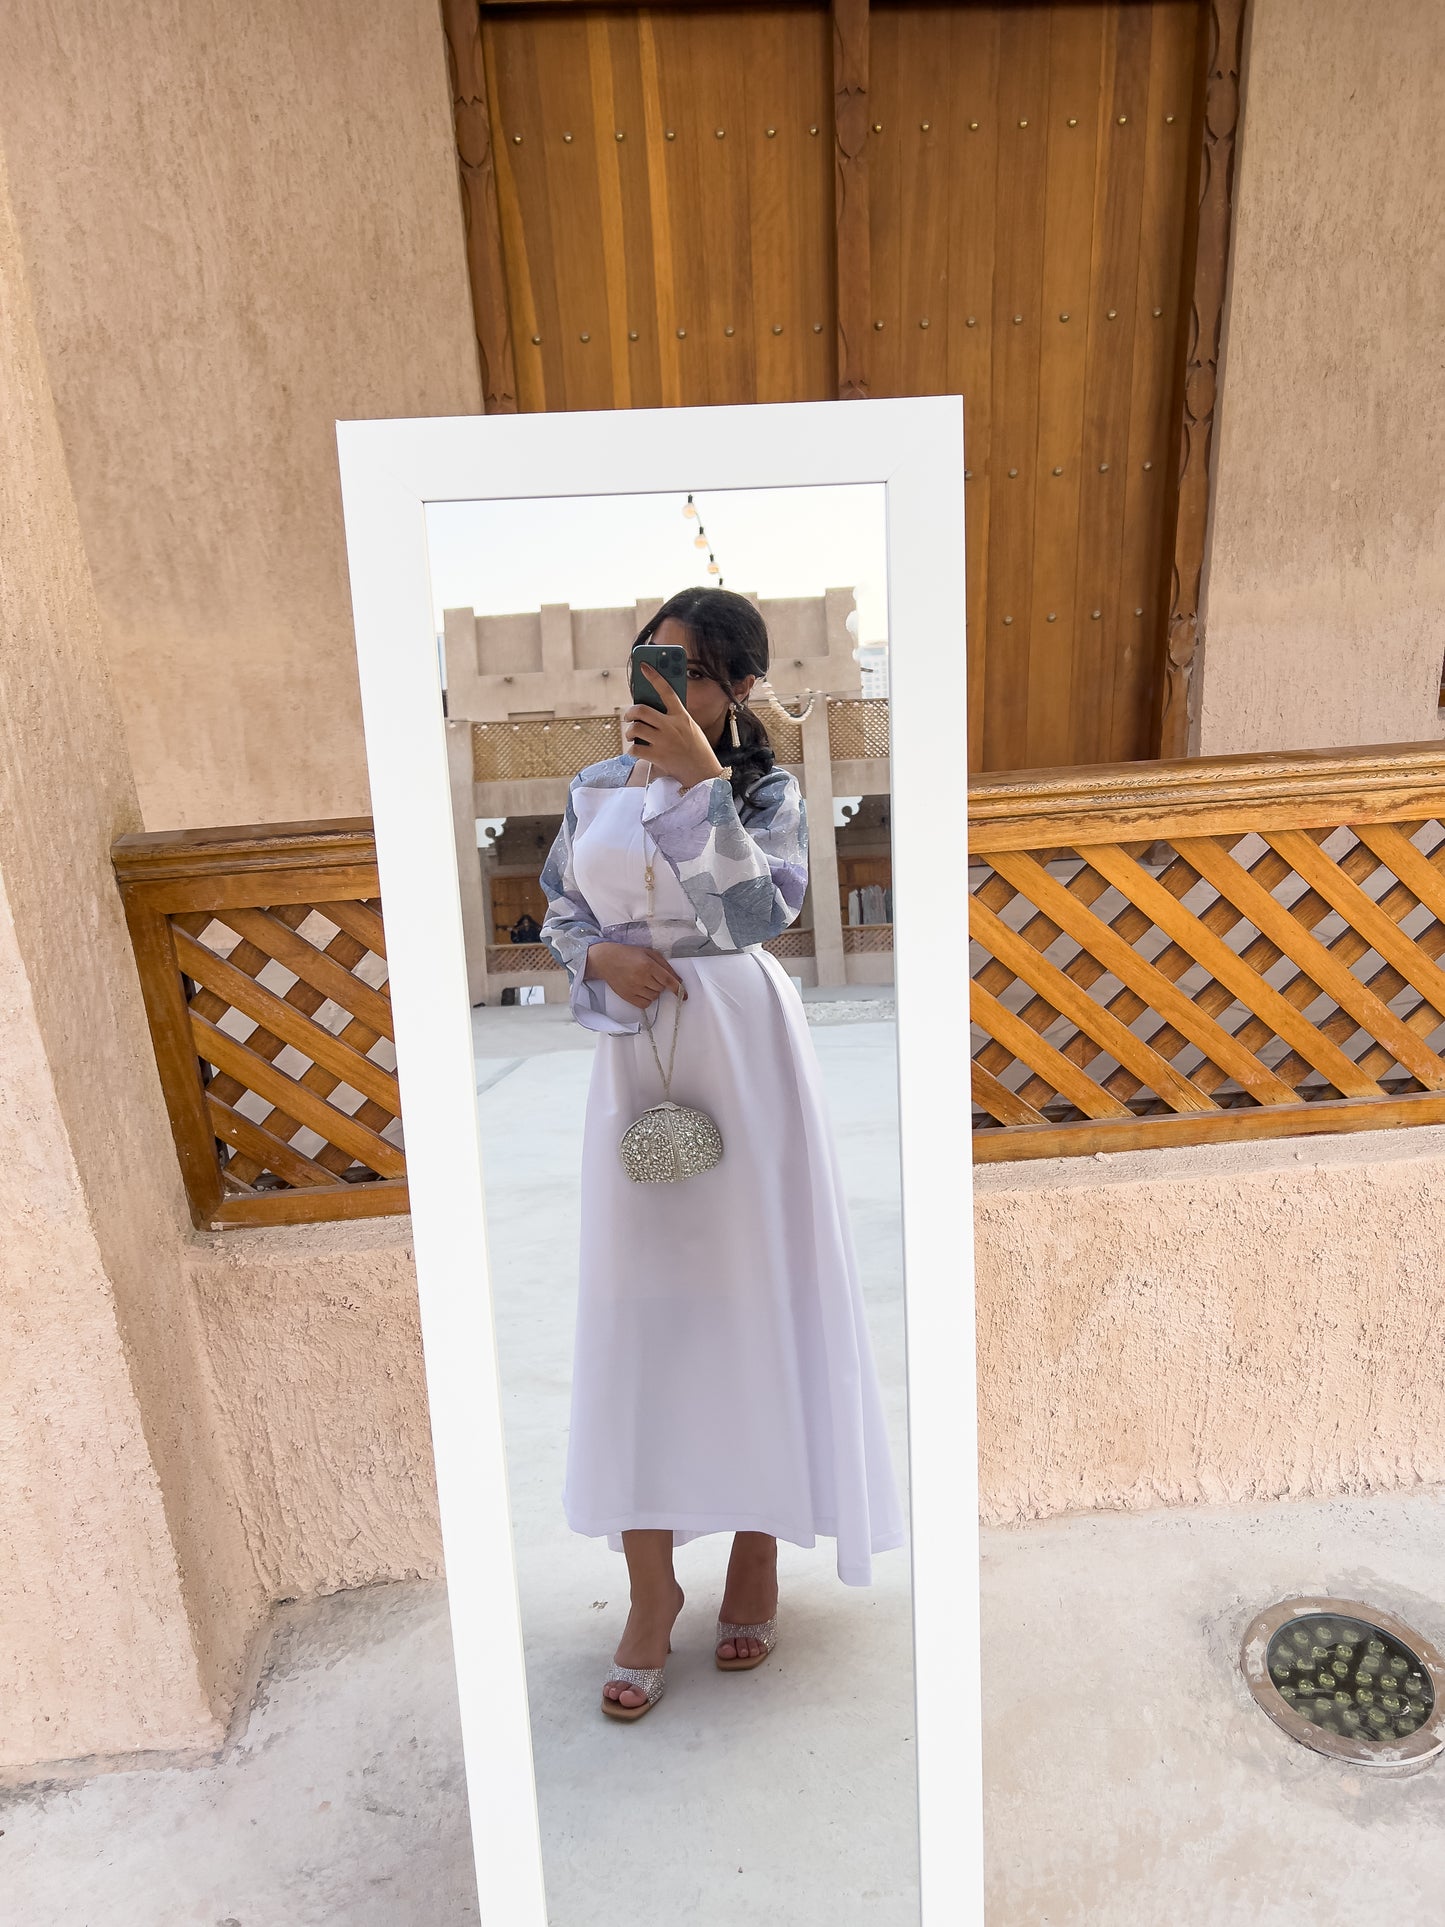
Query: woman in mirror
x,y
723,1378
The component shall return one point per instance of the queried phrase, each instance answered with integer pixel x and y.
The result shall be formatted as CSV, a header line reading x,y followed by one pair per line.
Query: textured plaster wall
x,y
1325,617
241,222
1214,1325
316,1343
126,1588
97,1646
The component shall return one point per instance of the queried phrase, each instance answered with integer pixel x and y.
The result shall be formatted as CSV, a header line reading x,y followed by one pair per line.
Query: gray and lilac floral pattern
x,y
744,871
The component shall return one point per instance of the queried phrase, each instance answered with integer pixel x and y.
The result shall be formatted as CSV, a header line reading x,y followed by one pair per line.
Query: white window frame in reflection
x,y
390,471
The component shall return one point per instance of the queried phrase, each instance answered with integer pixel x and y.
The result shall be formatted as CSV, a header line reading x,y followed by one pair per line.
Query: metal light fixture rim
x,y
1420,1747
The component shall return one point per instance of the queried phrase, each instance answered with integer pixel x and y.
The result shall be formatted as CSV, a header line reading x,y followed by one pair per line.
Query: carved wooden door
x,y
714,204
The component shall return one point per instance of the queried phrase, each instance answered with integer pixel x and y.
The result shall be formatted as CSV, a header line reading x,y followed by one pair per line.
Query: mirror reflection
x,y
668,738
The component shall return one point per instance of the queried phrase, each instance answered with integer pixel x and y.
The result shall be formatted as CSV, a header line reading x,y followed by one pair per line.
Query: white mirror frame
x,y
390,471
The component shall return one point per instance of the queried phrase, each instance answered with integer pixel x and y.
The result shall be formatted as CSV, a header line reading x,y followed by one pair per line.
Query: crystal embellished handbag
x,y
669,1141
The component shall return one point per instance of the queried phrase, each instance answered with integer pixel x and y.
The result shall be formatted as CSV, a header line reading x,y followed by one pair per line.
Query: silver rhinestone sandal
x,y
647,1679
766,1633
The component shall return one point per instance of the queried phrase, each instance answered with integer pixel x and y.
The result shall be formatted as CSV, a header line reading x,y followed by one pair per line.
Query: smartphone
x,y
669,659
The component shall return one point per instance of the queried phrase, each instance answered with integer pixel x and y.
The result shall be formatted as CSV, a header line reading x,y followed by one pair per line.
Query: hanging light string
x,y
700,540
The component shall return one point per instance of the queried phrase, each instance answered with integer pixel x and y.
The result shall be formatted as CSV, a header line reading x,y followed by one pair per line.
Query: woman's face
x,y
707,701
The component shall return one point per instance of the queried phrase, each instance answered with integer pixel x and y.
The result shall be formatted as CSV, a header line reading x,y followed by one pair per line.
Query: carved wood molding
x,y
850,192
461,24
1219,121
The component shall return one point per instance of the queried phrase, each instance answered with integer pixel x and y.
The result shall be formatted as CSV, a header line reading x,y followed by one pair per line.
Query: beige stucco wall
x,y
1325,611
241,223
315,1340
127,1590
1212,1325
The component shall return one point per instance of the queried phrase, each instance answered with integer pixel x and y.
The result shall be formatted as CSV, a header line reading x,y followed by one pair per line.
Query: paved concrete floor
x,y
1131,1783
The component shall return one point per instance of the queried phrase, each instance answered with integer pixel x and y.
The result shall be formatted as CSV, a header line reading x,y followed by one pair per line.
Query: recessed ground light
x,y
1348,1680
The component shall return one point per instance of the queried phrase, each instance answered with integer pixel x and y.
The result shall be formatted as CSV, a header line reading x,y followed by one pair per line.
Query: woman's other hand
x,y
637,974
669,738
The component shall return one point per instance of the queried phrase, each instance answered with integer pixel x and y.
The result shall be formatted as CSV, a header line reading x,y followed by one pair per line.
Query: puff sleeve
x,y
745,871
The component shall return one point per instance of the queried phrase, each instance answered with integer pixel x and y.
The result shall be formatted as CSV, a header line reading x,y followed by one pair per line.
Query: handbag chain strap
x,y
665,1075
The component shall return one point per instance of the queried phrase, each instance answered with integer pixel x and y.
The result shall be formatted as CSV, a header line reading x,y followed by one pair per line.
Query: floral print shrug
x,y
744,869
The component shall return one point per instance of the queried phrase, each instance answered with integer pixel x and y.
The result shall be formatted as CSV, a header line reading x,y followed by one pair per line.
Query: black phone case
x,y
670,662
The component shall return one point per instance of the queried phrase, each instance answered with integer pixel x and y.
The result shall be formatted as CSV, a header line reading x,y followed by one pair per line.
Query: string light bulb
x,y
702,541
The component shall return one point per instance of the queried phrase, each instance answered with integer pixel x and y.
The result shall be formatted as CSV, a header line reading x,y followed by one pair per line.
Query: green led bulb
x,y
1363,1696
1339,1667
1399,1666
1350,1719
1406,1727
1375,1647
1377,1718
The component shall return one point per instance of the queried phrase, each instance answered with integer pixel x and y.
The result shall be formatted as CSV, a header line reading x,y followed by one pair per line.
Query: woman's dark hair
x,y
732,643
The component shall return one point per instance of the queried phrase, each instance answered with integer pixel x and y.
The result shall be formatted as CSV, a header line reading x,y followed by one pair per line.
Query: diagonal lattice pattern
x,y
291,1022
1205,986
858,726
521,752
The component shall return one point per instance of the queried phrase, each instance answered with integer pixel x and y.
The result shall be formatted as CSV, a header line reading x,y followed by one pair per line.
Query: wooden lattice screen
x,y
509,958
858,726
262,961
1235,947
521,752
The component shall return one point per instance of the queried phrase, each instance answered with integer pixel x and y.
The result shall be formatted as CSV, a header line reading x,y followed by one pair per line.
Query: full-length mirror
x,y
664,718
668,740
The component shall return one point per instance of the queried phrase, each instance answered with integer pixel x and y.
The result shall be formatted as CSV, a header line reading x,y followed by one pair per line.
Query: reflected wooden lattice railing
x,y
1231,947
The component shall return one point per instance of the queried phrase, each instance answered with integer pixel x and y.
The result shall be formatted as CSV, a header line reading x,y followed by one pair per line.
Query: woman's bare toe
x,y
740,1649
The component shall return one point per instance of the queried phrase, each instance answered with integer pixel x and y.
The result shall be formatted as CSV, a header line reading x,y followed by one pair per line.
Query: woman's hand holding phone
x,y
668,738
637,974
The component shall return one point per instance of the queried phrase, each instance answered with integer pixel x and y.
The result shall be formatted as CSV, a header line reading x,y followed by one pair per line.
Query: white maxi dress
x,y
723,1378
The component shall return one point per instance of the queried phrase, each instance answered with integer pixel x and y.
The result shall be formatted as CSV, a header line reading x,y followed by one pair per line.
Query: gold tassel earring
x,y
733,725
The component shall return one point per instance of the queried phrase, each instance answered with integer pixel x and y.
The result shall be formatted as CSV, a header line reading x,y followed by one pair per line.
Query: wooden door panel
x,y
1076,47
1052,145
1161,322
970,58
689,260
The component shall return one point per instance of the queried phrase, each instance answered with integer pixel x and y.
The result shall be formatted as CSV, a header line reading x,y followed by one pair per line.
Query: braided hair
x,y
731,639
